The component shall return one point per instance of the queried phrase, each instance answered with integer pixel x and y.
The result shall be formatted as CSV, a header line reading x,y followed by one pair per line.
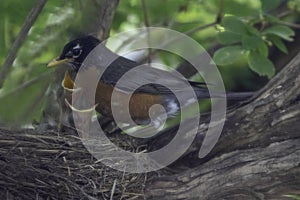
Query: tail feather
x,y
237,96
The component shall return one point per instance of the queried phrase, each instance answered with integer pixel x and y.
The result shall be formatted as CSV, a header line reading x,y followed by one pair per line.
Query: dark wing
x,y
146,79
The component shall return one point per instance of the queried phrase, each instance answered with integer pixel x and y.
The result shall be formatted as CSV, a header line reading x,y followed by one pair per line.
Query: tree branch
x,y
29,21
258,173
105,16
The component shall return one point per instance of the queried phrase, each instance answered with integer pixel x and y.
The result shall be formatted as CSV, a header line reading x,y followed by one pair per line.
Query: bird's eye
x,y
76,52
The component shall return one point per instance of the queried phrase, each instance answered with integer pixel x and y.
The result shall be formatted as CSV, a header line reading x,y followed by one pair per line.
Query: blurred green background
x,y
25,89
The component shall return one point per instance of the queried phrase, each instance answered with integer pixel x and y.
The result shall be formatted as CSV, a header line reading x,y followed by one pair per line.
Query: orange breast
x,y
139,103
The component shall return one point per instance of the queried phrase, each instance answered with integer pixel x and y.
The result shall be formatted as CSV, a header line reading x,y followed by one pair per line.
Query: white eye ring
x,y
76,51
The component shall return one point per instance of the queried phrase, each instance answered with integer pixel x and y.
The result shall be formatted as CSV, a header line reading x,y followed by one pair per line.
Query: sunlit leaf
x,y
281,31
227,37
228,55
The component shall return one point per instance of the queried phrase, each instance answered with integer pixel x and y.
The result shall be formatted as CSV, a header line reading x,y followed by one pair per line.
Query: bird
x,y
145,96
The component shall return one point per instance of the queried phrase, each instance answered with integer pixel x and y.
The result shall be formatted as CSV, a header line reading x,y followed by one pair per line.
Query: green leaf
x,y
268,5
295,197
228,55
242,8
255,43
271,18
260,64
227,37
264,50
277,41
252,30
281,31
234,24
252,42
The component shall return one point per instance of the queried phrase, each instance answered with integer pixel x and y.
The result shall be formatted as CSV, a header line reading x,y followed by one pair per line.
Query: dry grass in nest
x,y
52,165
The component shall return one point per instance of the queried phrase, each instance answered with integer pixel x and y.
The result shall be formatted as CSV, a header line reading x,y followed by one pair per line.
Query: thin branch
x,y
27,84
146,18
147,24
284,14
29,21
200,28
221,11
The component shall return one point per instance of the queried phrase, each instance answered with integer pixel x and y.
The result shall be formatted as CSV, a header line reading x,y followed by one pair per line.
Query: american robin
x,y
76,51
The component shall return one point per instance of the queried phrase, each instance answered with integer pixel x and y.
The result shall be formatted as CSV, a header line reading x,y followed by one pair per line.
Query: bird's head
x,y
76,51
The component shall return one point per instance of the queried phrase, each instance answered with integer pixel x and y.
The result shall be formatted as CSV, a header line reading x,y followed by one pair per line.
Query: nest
x,y
52,165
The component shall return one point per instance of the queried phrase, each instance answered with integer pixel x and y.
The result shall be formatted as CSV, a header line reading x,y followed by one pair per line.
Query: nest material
x,y
52,165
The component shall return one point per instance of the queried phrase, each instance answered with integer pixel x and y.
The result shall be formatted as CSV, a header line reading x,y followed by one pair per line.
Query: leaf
x,y
228,55
270,18
255,43
227,37
268,5
242,8
277,41
264,50
281,31
234,24
252,30
252,42
260,64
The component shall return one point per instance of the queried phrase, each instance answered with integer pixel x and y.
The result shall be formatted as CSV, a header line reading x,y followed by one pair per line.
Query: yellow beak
x,y
56,62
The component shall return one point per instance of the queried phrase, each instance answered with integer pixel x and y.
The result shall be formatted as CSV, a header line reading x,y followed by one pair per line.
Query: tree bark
x,y
107,9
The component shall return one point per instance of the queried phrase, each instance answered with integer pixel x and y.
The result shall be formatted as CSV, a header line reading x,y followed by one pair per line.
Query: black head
x,y
76,51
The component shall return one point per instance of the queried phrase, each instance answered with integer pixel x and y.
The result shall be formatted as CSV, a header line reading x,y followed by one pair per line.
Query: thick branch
x,y
259,173
105,16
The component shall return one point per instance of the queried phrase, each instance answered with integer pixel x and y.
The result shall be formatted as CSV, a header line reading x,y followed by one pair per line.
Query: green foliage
x,y
23,93
281,31
228,55
277,41
228,37
234,25
260,64
268,5
254,36
294,5
241,8
252,42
